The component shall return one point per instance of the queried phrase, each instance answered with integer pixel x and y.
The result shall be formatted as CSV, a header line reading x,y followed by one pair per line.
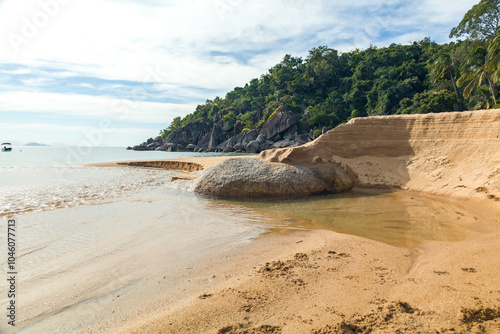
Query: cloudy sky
x,y
115,72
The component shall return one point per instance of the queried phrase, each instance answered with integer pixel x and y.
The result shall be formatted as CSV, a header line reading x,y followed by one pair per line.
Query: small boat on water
x,y
6,147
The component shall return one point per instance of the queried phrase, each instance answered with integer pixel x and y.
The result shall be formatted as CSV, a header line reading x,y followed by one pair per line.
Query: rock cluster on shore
x,y
279,131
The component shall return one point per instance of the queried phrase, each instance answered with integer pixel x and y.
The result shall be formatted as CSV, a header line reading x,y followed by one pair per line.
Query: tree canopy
x,y
480,22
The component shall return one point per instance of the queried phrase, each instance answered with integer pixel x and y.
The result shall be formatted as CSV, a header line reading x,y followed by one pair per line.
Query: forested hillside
x,y
329,87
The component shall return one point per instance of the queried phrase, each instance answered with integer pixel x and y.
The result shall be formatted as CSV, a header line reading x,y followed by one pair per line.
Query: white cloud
x,y
36,81
172,44
85,106
85,85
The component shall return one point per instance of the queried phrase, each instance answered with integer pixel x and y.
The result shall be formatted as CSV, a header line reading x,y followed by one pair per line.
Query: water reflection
x,y
398,218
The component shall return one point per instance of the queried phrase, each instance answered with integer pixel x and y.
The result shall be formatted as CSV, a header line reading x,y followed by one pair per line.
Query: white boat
x,y
6,147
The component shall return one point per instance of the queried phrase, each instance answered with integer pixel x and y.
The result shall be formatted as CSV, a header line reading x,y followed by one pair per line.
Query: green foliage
x,y
481,22
479,68
398,79
427,102
492,64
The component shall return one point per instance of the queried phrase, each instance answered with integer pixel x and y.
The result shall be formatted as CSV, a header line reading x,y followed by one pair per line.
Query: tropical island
x,y
423,118
299,99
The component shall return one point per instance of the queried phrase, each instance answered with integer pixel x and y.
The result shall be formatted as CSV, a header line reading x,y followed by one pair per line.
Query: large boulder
x,y
253,178
253,147
282,120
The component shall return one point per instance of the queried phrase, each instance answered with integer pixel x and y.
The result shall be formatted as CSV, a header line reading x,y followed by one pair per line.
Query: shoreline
x,y
373,286
324,282
330,282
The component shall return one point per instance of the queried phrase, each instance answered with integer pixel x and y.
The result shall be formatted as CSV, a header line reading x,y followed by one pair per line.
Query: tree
x,y
475,72
443,66
493,59
481,22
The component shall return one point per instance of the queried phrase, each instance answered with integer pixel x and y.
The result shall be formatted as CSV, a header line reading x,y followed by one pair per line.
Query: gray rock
x,y
243,138
253,147
228,149
191,147
141,148
239,147
253,178
203,142
282,144
238,127
193,132
302,139
261,138
216,136
169,147
282,120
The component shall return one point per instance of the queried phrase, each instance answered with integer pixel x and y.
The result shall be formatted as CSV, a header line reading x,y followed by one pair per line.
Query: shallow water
x,y
86,235
397,218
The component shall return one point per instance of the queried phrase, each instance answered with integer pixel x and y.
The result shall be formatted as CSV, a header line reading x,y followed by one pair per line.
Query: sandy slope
x,y
325,282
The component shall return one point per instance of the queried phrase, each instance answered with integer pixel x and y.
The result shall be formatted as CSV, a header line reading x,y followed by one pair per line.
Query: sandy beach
x,y
321,281
412,249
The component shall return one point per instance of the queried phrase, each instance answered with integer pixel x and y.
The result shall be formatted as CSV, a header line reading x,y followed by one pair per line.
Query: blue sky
x,y
113,73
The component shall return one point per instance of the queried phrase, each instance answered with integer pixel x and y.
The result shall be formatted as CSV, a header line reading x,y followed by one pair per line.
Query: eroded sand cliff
x,y
454,154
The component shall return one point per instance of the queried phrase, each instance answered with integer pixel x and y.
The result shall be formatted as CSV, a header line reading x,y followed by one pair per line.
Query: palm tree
x,y
493,59
444,66
476,71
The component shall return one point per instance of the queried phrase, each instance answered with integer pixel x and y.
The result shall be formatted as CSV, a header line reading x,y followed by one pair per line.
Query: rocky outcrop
x,y
242,139
454,154
149,145
280,121
193,133
253,178
207,136
216,136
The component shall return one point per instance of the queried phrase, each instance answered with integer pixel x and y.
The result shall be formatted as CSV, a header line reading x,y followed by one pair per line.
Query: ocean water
x,y
35,179
87,234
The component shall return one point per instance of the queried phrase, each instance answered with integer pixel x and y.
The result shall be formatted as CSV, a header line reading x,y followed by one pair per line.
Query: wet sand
x,y
436,273
405,263
325,282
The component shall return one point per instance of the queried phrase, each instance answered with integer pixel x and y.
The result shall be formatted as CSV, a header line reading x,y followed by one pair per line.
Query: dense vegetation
x,y
328,87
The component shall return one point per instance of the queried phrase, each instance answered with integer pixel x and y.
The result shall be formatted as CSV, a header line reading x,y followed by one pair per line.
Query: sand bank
x,y
182,164
326,282
188,165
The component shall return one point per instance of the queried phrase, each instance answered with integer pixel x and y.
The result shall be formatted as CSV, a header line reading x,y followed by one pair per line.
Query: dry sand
x,y
326,282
